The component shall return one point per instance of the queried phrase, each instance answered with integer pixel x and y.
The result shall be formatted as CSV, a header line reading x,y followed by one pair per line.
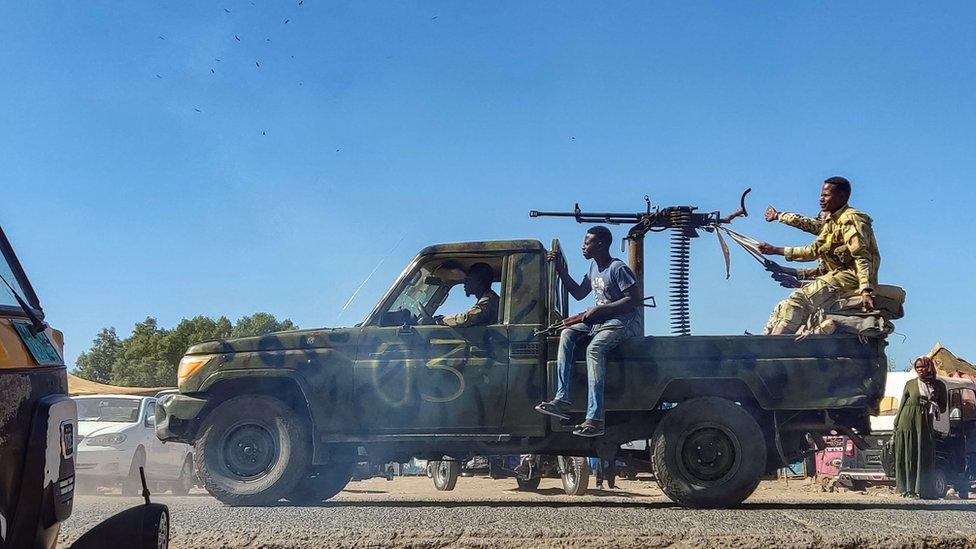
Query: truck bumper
x,y
177,417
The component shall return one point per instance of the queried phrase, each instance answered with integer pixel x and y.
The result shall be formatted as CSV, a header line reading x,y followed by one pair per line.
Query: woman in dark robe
x,y
922,400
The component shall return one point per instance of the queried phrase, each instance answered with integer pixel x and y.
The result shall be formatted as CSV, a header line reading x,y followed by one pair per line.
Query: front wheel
x,y
323,484
575,474
709,453
445,474
253,449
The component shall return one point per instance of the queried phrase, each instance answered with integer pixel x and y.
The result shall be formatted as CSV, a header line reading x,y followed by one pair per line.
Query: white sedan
x,y
117,435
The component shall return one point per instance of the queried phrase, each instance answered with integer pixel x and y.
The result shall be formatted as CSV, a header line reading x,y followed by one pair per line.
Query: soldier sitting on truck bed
x,y
848,255
477,282
614,318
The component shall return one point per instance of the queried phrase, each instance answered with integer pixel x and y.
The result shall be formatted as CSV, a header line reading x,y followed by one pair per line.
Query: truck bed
x,y
817,373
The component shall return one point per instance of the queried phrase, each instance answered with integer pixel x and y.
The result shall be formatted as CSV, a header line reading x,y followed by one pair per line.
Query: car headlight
x,y
189,365
113,439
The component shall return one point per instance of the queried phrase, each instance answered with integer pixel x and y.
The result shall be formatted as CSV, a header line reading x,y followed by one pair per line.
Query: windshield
x,y
112,410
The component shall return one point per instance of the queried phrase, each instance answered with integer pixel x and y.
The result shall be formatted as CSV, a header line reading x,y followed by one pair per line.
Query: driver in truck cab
x,y
615,317
477,283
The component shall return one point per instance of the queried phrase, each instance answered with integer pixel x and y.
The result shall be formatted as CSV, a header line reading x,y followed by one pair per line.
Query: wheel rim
x,y
249,450
709,454
162,536
572,473
443,471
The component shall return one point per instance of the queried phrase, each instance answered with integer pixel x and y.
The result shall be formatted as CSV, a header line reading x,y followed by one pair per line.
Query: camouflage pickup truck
x,y
288,415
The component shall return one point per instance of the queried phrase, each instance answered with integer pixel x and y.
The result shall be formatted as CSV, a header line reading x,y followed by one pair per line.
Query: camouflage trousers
x,y
794,311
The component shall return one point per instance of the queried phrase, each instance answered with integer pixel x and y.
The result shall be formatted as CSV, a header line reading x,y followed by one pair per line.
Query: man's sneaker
x,y
554,408
589,429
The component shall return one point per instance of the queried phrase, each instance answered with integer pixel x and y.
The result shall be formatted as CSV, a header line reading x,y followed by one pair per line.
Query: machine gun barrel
x,y
592,217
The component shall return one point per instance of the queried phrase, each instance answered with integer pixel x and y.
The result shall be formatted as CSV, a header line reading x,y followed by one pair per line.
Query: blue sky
x,y
136,182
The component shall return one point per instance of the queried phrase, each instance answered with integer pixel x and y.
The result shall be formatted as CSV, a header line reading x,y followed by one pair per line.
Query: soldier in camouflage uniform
x,y
848,255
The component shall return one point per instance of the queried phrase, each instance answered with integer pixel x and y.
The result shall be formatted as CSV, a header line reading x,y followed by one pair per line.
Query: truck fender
x,y
299,385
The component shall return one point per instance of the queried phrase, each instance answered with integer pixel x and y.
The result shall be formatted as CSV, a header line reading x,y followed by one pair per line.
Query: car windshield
x,y
112,410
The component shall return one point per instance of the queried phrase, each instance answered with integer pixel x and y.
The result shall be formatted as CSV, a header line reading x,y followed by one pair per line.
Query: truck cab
x,y
396,387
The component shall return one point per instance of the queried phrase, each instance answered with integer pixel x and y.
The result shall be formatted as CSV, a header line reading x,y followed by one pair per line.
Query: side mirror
x,y
955,414
150,421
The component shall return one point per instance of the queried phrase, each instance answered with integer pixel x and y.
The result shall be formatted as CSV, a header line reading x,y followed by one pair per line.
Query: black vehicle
x,y
955,442
39,430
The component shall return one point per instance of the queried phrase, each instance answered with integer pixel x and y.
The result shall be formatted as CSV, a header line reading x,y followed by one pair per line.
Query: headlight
x,y
113,439
189,366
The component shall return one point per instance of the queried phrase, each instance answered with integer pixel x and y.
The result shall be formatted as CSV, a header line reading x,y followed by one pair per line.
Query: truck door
x,y
414,378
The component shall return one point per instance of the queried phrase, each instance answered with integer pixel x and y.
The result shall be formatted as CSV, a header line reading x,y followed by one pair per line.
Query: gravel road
x,y
408,512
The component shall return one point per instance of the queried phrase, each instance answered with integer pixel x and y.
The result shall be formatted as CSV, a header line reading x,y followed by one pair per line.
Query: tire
x,y
445,474
185,482
962,486
252,450
529,485
709,453
576,475
323,484
132,484
940,483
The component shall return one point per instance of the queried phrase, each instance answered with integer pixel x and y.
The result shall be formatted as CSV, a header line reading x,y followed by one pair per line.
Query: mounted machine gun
x,y
683,222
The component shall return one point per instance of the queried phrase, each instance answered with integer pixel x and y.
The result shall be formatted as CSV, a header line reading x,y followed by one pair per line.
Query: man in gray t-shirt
x,y
614,318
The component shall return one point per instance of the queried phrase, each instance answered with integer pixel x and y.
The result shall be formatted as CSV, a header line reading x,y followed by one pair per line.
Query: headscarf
x,y
929,367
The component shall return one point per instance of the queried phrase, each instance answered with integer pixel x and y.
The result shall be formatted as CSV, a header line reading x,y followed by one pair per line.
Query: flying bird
x,y
161,37
157,76
258,65
434,17
238,38
216,59
264,133
211,70
287,20
226,10
300,2
196,109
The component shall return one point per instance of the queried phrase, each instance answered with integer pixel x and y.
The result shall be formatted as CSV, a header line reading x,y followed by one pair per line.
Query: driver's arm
x,y
483,312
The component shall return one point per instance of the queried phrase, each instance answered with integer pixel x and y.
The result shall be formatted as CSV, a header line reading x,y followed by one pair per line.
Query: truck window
x,y
430,286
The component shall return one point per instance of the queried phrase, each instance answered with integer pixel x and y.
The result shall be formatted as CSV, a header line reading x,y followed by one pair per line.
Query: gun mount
x,y
683,222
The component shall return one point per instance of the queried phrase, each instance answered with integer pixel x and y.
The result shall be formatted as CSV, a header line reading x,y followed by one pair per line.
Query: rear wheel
x,y
940,483
445,474
132,484
253,449
528,485
575,474
184,484
323,484
709,453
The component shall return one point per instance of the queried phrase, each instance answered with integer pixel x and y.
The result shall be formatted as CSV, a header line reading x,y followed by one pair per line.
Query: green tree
x,y
96,363
260,324
150,356
143,361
